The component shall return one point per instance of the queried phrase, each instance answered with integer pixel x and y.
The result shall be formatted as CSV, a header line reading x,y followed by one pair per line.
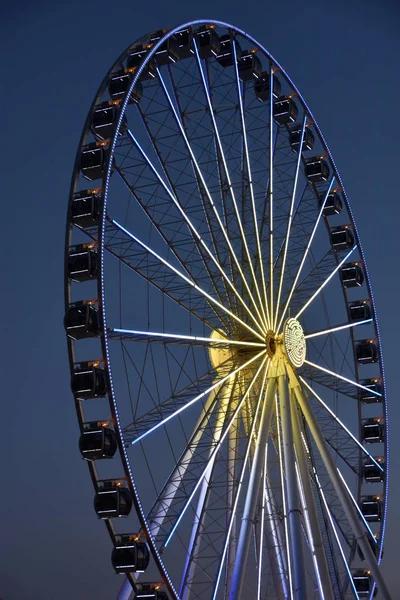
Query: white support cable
x,y
327,280
353,437
194,400
207,191
186,279
191,226
290,221
303,260
213,454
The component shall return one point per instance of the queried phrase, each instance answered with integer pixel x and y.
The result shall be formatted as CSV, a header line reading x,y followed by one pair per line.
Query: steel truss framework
x,y
246,473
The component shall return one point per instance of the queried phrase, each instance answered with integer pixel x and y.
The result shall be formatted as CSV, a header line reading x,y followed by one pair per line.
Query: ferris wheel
x,y
223,340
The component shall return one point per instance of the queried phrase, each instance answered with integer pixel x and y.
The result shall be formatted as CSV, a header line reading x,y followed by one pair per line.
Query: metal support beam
x,y
252,495
275,545
294,511
324,582
360,532
126,591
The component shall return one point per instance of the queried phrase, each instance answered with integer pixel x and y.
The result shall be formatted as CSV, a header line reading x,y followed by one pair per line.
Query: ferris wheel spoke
x,y
169,408
358,509
342,378
181,276
202,383
327,280
120,244
348,435
271,189
264,302
335,533
174,338
290,220
338,328
232,194
199,242
169,241
161,506
306,251
215,451
192,228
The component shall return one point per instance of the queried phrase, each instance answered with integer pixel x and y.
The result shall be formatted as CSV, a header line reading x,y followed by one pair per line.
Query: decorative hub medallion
x,y
294,342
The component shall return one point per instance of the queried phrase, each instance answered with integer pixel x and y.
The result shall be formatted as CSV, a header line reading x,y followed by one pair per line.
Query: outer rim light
x,y
294,342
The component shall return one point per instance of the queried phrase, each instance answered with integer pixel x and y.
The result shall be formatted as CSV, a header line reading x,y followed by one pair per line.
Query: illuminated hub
x,y
294,342
270,343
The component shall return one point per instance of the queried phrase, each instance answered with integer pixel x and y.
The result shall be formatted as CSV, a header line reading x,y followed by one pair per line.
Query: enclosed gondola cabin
x,y
363,583
97,442
112,501
360,311
225,57
372,472
295,138
119,85
342,238
82,321
249,66
372,391
104,120
183,43
85,208
333,205
93,161
316,169
150,591
83,263
167,53
207,42
136,56
261,87
367,352
351,275
373,431
130,556
285,110
88,381
372,508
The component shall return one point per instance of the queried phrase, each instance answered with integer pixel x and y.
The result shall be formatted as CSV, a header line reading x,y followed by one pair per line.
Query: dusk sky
x,y
343,56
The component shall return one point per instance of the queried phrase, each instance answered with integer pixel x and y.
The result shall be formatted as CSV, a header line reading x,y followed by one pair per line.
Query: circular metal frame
x,y
104,328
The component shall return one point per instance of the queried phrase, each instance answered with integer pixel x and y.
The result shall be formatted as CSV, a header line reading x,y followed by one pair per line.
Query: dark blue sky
x,y
342,56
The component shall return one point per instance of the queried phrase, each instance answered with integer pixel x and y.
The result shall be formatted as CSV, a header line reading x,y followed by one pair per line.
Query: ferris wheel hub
x,y
294,342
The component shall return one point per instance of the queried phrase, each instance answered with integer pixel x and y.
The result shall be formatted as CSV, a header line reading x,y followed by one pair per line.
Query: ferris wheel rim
x,y
106,181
